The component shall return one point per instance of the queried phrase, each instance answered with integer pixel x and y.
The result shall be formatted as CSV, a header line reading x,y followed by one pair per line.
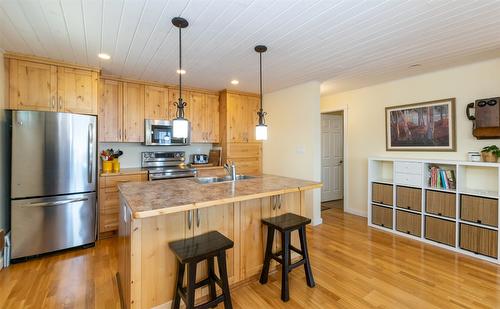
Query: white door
x,y
332,151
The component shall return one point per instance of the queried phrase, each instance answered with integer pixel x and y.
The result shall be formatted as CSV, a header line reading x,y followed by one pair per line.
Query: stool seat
x,y
200,247
285,222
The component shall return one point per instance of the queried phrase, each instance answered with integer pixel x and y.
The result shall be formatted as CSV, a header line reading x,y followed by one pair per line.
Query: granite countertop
x,y
147,199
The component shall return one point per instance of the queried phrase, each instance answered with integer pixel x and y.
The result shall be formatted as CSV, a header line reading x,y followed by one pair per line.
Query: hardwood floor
x,y
354,267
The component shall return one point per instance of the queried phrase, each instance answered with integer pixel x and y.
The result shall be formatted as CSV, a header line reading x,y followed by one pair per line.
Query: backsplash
x,y
132,151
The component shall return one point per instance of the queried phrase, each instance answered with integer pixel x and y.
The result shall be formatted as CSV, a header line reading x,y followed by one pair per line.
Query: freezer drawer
x,y
42,225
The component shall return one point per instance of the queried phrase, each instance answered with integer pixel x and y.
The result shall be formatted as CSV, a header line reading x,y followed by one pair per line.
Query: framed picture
x,y
426,126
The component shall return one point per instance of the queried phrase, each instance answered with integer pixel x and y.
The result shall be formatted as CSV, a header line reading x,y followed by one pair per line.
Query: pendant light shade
x,y
261,128
180,125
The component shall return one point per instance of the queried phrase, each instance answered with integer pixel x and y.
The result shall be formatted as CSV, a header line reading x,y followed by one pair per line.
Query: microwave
x,y
160,132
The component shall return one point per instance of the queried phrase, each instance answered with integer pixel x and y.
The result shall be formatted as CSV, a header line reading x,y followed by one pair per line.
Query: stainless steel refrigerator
x,y
53,182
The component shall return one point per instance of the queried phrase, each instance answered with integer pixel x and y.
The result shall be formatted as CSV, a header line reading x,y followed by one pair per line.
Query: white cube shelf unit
x,y
458,213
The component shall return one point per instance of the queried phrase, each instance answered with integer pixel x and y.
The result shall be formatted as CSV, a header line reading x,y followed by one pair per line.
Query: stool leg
x,y
190,287
307,265
221,259
267,256
285,266
178,285
211,281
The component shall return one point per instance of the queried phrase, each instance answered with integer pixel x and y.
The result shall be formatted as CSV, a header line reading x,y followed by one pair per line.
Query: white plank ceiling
x,y
344,44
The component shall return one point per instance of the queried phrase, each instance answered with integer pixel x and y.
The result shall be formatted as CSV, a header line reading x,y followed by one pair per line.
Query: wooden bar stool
x,y
193,250
286,224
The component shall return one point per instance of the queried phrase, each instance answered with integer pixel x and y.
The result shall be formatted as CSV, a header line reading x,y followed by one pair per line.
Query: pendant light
x,y
180,124
261,128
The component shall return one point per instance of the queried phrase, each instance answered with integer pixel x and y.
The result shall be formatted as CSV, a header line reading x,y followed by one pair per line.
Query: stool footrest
x,y
212,303
296,264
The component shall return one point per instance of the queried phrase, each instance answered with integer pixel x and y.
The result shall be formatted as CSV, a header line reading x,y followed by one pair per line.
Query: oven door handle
x,y
177,175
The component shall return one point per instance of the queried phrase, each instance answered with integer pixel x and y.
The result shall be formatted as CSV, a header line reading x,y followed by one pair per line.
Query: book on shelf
x,y
442,178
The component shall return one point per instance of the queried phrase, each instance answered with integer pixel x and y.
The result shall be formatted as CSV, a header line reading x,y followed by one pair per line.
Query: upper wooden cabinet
x,y
204,117
156,103
110,111
121,112
133,112
33,86
77,90
239,117
42,86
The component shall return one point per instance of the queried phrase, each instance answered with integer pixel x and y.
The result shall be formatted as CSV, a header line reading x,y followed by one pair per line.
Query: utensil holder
x,y
116,165
107,166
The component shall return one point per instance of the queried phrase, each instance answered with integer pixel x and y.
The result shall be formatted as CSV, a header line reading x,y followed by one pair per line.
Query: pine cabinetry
x,y
156,103
109,201
238,118
44,86
463,218
121,111
202,110
133,112
111,111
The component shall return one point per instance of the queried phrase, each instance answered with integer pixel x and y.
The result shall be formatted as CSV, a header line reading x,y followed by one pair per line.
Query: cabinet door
x,y
252,106
253,235
212,118
32,86
236,118
479,209
173,97
156,103
440,203
133,112
198,110
382,216
219,218
77,90
110,111
408,223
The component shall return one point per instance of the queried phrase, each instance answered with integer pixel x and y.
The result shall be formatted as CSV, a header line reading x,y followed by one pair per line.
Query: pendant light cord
x,y
180,65
260,54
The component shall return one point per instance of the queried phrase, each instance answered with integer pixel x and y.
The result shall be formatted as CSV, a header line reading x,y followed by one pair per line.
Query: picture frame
x,y
425,126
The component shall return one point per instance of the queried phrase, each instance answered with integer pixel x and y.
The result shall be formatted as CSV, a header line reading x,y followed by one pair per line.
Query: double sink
x,y
206,180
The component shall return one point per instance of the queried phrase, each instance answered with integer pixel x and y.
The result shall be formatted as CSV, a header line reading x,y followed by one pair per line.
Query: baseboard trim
x,y
356,212
317,221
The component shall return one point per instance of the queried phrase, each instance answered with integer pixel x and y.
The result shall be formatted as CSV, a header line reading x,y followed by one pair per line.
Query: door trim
x,y
344,109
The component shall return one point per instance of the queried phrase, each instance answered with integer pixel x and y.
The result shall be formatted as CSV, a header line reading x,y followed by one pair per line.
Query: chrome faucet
x,y
231,170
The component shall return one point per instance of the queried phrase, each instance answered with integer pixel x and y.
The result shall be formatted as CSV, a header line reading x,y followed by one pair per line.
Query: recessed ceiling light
x,y
182,71
235,82
104,56
416,65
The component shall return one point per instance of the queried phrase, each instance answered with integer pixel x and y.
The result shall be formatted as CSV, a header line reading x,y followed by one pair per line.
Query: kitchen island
x,y
152,214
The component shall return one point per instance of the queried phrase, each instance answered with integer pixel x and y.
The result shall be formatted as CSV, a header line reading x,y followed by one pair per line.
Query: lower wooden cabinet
x,y
109,201
409,223
479,240
440,203
382,216
479,210
215,171
440,230
382,193
409,198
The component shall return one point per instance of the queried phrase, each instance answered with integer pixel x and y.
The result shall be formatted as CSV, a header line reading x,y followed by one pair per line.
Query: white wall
x,y
4,153
132,151
365,134
293,145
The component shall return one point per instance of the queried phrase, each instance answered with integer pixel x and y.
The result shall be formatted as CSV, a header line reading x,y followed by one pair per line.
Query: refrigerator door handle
x,y
91,146
57,203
